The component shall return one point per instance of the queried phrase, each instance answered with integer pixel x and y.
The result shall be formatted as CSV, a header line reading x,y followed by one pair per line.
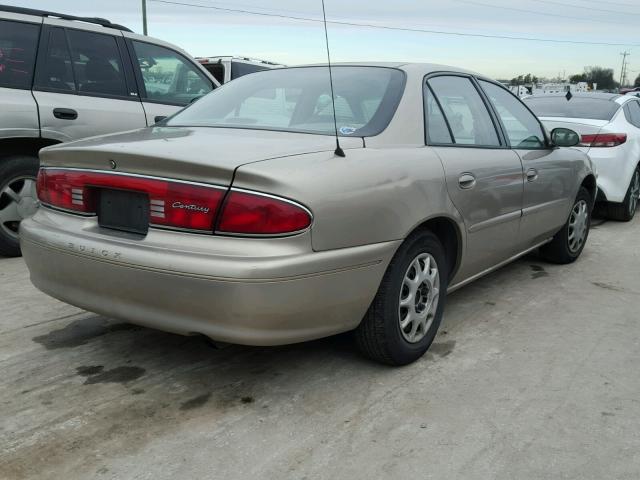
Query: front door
x,y
81,86
169,81
484,178
550,174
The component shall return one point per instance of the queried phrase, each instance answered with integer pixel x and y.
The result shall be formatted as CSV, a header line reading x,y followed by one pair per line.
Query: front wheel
x,y
568,243
404,317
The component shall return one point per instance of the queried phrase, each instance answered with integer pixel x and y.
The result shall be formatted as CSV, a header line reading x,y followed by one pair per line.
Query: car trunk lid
x,y
201,154
582,126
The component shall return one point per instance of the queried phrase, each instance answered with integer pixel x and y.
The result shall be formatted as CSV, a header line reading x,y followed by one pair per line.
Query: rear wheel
x,y
404,317
18,199
568,243
626,210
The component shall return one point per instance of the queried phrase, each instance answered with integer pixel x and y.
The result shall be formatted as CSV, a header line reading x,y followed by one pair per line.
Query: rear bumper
x,y
251,292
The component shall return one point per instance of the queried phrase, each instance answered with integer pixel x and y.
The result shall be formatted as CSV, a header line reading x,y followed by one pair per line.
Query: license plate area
x,y
123,210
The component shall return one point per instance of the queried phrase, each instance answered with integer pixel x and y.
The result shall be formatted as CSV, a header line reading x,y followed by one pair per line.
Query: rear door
x,y
18,46
484,177
168,80
550,173
83,86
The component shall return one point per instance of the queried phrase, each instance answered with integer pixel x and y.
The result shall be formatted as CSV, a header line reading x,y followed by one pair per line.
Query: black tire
x,y
11,169
625,211
379,335
560,250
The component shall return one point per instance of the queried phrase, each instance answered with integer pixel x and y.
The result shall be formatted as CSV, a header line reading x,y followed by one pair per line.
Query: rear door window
x,y
465,111
97,65
437,129
18,46
169,77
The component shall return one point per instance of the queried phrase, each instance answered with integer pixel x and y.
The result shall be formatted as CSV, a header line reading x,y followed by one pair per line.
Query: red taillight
x,y
172,203
255,214
603,140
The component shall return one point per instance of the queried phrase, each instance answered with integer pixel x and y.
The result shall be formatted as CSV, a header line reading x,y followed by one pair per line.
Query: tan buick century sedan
x,y
237,218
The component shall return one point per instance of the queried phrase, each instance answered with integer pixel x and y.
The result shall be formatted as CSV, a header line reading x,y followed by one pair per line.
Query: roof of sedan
x,y
418,68
595,95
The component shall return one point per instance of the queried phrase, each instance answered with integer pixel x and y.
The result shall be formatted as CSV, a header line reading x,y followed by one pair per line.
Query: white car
x,y
609,125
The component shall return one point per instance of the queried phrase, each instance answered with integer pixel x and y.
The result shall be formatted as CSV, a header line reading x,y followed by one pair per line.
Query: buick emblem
x,y
113,164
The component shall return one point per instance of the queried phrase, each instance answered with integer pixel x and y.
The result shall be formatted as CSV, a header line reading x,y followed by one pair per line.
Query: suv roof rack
x,y
44,13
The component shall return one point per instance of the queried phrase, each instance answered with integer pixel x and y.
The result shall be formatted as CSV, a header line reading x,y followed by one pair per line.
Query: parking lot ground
x,y
534,375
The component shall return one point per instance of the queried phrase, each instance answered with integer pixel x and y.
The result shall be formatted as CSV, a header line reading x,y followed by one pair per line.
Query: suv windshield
x,y
299,100
577,107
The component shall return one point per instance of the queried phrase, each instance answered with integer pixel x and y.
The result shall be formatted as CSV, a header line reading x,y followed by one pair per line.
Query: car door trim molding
x,y
504,218
541,206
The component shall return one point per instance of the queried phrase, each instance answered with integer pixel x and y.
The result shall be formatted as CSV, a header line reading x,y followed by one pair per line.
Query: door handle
x,y
159,118
532,175
65,113
467,181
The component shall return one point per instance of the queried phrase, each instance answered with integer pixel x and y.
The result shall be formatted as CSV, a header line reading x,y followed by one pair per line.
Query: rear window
x,y
240,69
577,107
299,100
18,43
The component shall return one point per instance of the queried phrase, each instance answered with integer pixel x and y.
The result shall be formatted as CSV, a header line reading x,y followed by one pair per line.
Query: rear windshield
x,y
299,100
577,107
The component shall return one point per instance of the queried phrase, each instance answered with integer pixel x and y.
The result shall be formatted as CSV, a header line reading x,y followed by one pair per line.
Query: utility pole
x,y
623,70
144,17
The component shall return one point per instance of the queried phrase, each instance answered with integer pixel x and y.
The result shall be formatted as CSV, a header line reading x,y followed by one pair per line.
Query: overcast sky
x,y
210,32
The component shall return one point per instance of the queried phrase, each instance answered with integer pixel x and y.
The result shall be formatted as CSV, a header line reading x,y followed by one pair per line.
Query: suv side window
x,y
465,111
55,72
521,126
634,109
97,65
18,46
169,77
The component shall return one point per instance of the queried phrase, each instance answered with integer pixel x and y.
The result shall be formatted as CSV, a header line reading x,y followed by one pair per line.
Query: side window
x,y
465,111
634,109
522,127
18,44
55,72
168,76
437,130
239,69
96,64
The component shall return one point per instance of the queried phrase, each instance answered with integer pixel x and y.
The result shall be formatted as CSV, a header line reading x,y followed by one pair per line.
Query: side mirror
x,y
563,137
159,118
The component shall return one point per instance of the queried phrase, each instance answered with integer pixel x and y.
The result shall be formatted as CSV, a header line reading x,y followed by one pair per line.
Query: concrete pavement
x,y
534,375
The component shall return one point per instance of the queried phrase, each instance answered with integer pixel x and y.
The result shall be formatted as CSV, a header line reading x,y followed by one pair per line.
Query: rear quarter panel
x,y
371,196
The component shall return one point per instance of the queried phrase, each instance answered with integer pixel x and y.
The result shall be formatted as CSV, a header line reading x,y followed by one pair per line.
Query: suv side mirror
x,y
563,137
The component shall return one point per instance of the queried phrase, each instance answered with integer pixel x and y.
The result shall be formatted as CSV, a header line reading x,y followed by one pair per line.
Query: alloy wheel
x,y
18,200
419,296
578,226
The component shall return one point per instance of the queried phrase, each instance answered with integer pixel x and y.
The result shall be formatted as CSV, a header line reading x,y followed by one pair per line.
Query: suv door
x,y
18,45
168,81
550,173
484,177
83,87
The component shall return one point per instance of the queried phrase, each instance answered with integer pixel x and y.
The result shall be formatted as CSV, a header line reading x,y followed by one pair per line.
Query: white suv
x,y
63,78
228,68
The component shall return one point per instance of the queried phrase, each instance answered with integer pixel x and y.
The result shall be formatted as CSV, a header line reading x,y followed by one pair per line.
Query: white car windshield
x,y
299,100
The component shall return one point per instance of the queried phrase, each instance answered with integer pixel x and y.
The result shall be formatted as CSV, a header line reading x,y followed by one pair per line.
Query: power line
x,y
619,4
546,14
591,9
401,29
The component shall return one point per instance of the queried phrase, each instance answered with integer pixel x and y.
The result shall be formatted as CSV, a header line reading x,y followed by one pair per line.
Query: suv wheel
x,y
405,315
18,199
626,210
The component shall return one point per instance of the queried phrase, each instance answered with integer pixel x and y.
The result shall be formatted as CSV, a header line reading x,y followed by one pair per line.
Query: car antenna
x,y
339,151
